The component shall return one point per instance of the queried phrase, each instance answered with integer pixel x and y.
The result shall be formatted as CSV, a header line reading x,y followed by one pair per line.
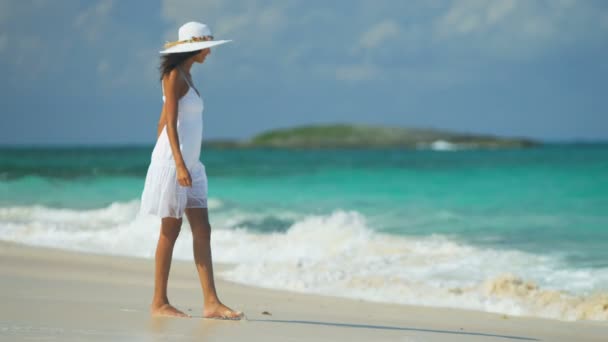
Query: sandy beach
x,y
57,295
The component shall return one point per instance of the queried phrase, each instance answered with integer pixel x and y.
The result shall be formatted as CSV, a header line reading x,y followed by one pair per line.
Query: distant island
x,y
366,136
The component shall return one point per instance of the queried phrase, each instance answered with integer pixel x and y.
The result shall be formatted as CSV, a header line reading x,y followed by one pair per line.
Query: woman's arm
x,y
174,85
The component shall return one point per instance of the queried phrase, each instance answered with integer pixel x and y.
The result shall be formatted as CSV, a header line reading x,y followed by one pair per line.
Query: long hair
x,y
170,61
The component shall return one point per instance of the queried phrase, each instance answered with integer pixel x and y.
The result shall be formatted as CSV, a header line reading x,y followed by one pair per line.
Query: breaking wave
x,y
336,254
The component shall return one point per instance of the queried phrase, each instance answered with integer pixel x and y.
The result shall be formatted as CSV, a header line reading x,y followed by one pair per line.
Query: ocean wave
x,y
336,254
442,145
339,255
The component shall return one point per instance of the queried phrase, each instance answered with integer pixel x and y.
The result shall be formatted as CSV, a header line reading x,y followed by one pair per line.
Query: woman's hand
x,y
183,176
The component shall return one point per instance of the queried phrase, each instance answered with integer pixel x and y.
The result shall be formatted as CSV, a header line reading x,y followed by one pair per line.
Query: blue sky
x,y
85,72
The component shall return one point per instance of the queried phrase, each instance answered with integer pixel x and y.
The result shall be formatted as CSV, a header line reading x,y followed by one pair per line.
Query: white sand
x,y
55,295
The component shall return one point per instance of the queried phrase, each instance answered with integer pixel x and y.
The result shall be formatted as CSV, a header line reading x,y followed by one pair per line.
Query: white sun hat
x,y
192,36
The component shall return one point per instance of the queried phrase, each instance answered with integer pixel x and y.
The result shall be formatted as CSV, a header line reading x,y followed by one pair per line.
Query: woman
x,y
176,182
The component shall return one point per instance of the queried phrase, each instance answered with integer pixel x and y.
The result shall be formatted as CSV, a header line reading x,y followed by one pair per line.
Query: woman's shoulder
x,y
172,76
173,79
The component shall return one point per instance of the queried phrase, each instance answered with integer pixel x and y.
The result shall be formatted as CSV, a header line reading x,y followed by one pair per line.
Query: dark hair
x,y
169,61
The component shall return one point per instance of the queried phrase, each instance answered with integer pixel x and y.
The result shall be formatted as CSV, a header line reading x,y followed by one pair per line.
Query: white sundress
x,y
162,195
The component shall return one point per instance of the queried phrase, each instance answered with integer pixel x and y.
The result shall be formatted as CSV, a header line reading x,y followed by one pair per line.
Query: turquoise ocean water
x,y
514,231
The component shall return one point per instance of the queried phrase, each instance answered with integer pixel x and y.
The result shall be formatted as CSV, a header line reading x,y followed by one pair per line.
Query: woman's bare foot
x,y
166,310
221,311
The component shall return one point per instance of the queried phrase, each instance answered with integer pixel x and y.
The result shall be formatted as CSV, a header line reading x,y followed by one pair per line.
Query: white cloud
x,y
377,34
11,10
32,54
92,21
358,72
515,29
498,10
255,27
186,10
310,37
231,24
95,24
271,19
103,67
258,20
469,16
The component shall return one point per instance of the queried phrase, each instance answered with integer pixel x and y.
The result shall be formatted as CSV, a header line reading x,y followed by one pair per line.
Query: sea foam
x,y
336,254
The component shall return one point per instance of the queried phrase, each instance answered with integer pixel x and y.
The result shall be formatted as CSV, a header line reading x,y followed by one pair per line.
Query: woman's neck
x,y
186,66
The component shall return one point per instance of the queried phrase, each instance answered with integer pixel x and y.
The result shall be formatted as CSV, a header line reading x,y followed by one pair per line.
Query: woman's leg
x,y
201,245
169,231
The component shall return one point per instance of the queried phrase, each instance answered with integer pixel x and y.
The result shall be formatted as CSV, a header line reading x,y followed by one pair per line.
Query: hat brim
x,y
187,47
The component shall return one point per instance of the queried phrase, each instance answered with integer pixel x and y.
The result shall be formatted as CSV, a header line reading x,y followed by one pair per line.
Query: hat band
x,y
191,40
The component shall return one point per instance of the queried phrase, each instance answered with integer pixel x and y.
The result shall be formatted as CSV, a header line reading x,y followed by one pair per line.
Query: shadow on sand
x,y
385,327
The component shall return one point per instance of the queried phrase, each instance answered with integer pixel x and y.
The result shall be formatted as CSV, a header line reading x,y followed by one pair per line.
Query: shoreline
x,y
89,296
